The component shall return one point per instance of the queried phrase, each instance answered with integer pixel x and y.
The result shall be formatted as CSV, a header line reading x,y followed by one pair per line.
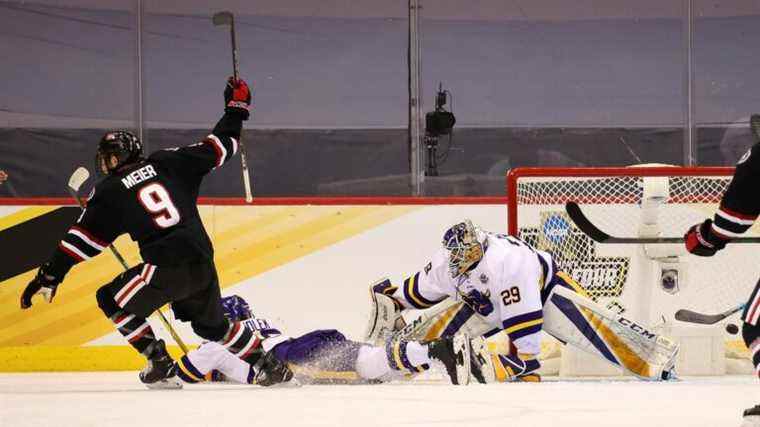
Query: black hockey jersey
x,y
154,201
740,205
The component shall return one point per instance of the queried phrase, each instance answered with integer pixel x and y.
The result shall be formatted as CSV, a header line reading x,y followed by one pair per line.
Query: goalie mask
x,y
464,247
123,146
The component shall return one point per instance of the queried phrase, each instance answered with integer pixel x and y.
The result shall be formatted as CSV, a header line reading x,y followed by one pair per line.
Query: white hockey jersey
x,y
504,288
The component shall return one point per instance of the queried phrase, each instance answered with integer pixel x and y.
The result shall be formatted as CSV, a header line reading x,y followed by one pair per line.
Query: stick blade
x,y
223,18
576,214
693,317
78,178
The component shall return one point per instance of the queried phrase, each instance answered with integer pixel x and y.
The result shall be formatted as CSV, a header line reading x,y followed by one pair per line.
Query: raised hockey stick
x,y
227,18
689,316
75,183
584,224
754,125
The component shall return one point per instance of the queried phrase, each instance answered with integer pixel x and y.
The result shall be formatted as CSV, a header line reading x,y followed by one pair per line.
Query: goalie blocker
x,y
564,311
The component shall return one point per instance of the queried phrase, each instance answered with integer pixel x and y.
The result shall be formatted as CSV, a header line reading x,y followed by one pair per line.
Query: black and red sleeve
x,y
95,229
740,205
212,152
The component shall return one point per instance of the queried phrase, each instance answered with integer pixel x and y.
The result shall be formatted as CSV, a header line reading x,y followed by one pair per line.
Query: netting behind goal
x,y
634,202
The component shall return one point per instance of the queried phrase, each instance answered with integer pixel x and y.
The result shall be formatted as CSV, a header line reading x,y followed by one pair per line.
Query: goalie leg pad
x,y
489,367
578,321
446,319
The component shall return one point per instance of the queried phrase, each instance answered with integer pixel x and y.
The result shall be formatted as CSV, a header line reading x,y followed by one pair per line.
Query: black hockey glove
x,y
271,371
700,240
237,98
43,283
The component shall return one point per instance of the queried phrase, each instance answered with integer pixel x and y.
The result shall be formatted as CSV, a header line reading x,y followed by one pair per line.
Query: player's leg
x,y
574,319
202,307
212,356
128,301
751,336
751,326
410,357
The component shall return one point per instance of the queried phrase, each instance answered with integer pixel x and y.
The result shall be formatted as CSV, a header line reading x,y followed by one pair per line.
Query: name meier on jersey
x,y
138,176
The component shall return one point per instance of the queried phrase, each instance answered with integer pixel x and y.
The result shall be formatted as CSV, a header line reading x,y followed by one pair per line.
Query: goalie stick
x,y
584,224
227,18
689,316
75,182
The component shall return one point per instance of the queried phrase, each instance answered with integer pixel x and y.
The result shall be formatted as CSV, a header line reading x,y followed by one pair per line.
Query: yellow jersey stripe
x,y
414,295
524,325
187,372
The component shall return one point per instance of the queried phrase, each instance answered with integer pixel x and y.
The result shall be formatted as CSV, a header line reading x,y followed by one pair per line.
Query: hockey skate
x,y
751,417
161,371
454,353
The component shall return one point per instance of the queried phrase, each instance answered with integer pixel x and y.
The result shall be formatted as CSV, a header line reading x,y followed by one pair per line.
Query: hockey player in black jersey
x,y
154,200
738,210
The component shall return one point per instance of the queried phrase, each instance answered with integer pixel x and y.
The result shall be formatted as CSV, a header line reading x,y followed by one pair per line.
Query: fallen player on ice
x,y
320,356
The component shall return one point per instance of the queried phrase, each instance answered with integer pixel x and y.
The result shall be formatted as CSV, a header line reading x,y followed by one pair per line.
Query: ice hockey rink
x,y
118,399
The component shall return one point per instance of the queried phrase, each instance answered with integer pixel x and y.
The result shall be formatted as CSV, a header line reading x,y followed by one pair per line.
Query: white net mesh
x,y
630,275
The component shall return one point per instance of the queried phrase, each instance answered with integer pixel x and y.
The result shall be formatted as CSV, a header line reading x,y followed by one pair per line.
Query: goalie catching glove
x,y
385,313
43,283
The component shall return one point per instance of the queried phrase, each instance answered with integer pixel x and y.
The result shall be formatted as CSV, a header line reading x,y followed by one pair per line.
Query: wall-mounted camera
x,y
437,123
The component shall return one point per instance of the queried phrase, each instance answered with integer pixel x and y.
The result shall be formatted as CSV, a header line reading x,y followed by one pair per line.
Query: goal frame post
x,y
515,174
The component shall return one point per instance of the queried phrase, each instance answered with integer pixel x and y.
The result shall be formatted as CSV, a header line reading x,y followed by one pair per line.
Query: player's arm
x,y
95,229
738,209
418,291
221,144
422,289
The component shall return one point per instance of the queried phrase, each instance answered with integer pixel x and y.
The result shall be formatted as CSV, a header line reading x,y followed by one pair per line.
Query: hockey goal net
x,y
642,201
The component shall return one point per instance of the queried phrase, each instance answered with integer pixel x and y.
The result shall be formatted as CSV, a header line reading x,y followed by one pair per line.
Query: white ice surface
x,y
118,399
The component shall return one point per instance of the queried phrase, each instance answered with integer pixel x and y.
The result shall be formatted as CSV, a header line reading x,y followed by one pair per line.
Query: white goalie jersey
x,y
505,289
515,288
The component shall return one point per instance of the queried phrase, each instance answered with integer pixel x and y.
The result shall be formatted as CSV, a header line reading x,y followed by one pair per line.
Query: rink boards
x,y
303,266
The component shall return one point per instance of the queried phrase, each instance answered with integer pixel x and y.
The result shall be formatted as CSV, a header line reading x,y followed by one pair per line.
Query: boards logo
x,y
575,254
556,228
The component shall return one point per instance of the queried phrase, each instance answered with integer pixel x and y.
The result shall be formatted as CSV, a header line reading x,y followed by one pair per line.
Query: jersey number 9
x,y
156,200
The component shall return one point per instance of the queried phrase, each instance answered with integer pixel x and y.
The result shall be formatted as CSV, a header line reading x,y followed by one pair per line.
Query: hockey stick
x,y
754,126
582,222
227,18
705,319
75,182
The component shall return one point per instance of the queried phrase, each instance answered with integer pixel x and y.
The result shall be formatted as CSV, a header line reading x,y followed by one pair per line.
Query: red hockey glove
x,y
700,240
237,98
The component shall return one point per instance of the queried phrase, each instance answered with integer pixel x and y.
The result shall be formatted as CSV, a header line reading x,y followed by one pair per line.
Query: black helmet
x,y
125,145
